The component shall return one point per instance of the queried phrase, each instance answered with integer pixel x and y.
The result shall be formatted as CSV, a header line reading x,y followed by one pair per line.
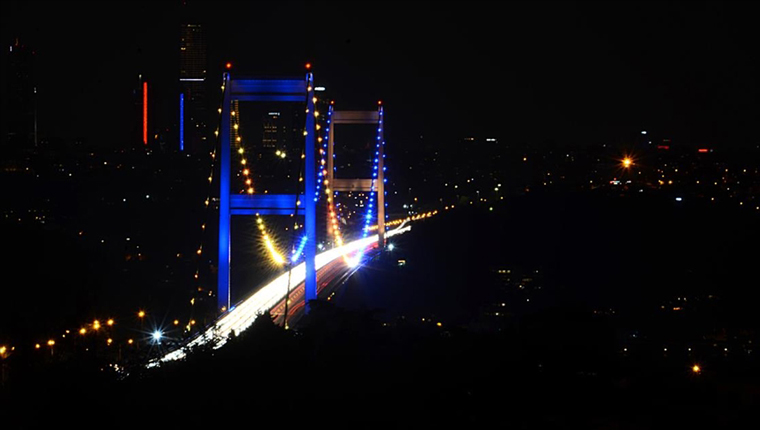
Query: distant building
x,y
278,154
19,106
192,78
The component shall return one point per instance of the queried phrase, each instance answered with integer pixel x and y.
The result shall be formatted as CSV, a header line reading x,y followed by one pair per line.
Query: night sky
x,y
530,72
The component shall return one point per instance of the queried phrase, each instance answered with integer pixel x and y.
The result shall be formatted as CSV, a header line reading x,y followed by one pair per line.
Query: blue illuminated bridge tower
x,y
374,185
267,90
300,91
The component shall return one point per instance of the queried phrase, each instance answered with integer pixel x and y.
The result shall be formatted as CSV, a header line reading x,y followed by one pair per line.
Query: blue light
x,y
157,335
297,253
181,122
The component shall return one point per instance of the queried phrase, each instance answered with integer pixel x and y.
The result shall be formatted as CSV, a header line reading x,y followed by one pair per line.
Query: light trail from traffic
x,y
240,317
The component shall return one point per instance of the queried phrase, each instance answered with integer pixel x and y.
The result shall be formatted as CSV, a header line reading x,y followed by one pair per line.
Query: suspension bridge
x,y
304,273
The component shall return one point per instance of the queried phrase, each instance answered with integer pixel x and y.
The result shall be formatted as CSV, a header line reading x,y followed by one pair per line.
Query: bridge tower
x,y
374,184
267,90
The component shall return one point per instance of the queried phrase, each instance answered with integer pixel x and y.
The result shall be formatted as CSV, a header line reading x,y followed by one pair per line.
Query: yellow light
x,y
219,110
696,368
438,324
250,190
110,321
246,172
82,330
141,314
198,251
273,252
109,341
216,132
130,341
277,153
243,161
248,182
235,126
176,322
240,151
96,325
2,350
232,113
37,346
627,162
192,322
51,342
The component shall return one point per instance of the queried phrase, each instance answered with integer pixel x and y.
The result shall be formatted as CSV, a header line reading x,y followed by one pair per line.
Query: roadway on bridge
x,y
269,296
329,279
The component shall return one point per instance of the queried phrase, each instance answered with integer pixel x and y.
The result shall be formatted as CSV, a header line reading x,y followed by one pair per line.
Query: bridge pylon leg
x,y
310,183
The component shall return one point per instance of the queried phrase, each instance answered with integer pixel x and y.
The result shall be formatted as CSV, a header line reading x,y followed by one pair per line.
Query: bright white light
x,y
643,132
319,88
391,247
242,316
157,335
353,262
678,199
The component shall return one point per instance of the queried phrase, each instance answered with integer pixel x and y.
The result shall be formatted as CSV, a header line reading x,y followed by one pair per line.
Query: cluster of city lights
x,y
206,203
399,221
99,328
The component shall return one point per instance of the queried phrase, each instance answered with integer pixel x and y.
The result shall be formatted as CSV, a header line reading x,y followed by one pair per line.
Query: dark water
x,y
630,254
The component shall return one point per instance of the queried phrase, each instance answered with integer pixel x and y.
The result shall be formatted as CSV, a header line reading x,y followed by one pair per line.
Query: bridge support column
x,y
380,185
310,183
376,183
266,90
223,275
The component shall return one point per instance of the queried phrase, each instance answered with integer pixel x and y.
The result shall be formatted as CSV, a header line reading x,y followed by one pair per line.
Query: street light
x,y
627,162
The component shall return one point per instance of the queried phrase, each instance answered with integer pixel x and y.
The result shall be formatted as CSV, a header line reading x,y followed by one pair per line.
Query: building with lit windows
x,y
193,84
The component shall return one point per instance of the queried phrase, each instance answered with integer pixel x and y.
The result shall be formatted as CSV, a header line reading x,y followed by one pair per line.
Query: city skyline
x,y
575,73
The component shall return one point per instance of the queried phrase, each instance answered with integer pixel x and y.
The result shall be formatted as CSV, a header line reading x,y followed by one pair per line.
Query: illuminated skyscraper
x,y
192,77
